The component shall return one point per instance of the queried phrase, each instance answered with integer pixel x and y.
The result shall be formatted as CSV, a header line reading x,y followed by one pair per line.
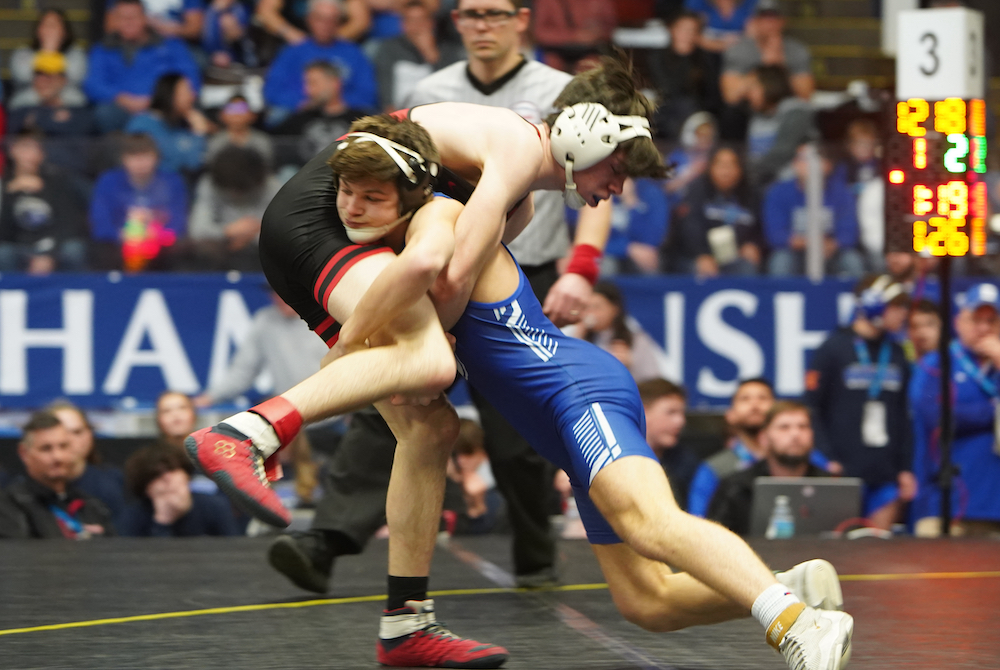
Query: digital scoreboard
x,y
935,160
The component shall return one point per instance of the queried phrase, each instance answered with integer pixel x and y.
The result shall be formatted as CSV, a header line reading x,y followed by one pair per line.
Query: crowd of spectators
x,y
159,147
282,79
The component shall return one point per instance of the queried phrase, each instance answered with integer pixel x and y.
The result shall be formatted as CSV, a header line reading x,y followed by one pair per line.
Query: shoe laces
x,y
440,629
257,459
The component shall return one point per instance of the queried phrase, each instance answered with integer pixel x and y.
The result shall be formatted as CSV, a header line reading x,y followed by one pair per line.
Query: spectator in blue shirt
x,y
718,230
124,68
283,86
785,222
975,370
159,476
640,219
725,21
224,34
137,211
175,124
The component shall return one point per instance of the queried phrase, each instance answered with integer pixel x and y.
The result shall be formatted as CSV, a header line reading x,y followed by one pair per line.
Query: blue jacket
x,y
108,73
114,197
784,213
209,515
647,223
180,149
974,492
283,86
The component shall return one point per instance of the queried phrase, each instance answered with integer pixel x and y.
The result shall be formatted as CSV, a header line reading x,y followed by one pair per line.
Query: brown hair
x,y
470,438
652,390
783,407
138,143
43,419
367,160
612,83
924,306
151,462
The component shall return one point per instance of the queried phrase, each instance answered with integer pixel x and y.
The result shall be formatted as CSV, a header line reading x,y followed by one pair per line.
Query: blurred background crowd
x,y
150,135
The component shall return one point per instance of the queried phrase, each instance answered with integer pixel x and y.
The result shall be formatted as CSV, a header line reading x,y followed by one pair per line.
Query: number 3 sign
x,y
940,54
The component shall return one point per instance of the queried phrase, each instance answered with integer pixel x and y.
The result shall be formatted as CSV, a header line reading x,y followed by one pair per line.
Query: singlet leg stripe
x,y
596,440
540,343
338,266
328,330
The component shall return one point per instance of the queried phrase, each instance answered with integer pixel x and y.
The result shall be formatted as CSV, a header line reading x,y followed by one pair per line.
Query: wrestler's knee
x,y
650,610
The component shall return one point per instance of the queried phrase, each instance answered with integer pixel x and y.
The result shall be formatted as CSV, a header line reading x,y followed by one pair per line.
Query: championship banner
x,y
118,341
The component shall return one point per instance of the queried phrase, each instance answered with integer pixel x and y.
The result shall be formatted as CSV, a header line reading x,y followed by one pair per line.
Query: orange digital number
x,y
922,197
949,116
953,200
978,237
920,153
909,116
941,237
977,117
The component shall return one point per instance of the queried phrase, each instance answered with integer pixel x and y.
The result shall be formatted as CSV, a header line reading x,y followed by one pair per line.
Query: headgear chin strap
x,y
366,235
585,134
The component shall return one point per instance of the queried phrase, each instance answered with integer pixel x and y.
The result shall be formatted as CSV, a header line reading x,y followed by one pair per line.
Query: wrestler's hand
x,y
567,299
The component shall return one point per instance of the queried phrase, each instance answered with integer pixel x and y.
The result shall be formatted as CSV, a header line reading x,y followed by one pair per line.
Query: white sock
x,y
771,603
260,432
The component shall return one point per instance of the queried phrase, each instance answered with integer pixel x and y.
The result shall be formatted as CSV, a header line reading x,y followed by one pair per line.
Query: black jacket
x,y
34,502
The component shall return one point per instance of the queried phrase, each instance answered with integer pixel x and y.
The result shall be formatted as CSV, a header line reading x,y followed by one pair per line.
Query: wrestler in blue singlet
x,y
576,404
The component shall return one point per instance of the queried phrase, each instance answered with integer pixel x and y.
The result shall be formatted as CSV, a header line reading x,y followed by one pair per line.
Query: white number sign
x,y
940,54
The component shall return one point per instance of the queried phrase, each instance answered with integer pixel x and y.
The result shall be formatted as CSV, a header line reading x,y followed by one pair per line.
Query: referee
x,y
353,506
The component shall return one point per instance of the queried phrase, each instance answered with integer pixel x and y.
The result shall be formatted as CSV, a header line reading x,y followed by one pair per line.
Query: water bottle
x,y
781,525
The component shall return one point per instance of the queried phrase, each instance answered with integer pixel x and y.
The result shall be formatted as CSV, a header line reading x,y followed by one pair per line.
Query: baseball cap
x,y
767,7
982,294
49,62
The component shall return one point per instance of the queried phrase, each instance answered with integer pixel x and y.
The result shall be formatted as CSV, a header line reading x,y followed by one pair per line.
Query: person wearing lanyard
x,y
975,370
49,506
856,385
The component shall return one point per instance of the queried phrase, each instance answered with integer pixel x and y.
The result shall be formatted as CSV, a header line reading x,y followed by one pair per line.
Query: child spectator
x,y
685,76
725,21
785,223
606,324
690,159
228,205
159,476
137,211
324,116
283,85
52,50
780,123
718,231
664,404
175,124
237,120
41,226
400,62
469,467
124,68
861,165
924,329
224,34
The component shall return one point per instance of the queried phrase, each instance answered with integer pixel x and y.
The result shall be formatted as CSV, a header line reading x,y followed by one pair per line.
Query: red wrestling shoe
x,y
412,637
229,458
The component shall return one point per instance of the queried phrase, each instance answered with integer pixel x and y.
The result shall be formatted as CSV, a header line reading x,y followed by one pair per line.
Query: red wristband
x,y
584,262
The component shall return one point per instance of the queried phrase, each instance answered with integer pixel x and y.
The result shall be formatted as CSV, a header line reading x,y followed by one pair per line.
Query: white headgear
x,y
585,134
416,182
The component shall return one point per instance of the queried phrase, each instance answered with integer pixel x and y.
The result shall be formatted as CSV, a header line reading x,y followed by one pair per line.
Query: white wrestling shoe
x,y
815,583
817,640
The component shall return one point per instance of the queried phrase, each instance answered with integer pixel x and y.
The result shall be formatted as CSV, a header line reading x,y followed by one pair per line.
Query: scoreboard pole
x,y
947,472
936,155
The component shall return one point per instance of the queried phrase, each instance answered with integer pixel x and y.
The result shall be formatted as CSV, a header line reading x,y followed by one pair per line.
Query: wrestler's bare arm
x,y
429,248
520,219
505,153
